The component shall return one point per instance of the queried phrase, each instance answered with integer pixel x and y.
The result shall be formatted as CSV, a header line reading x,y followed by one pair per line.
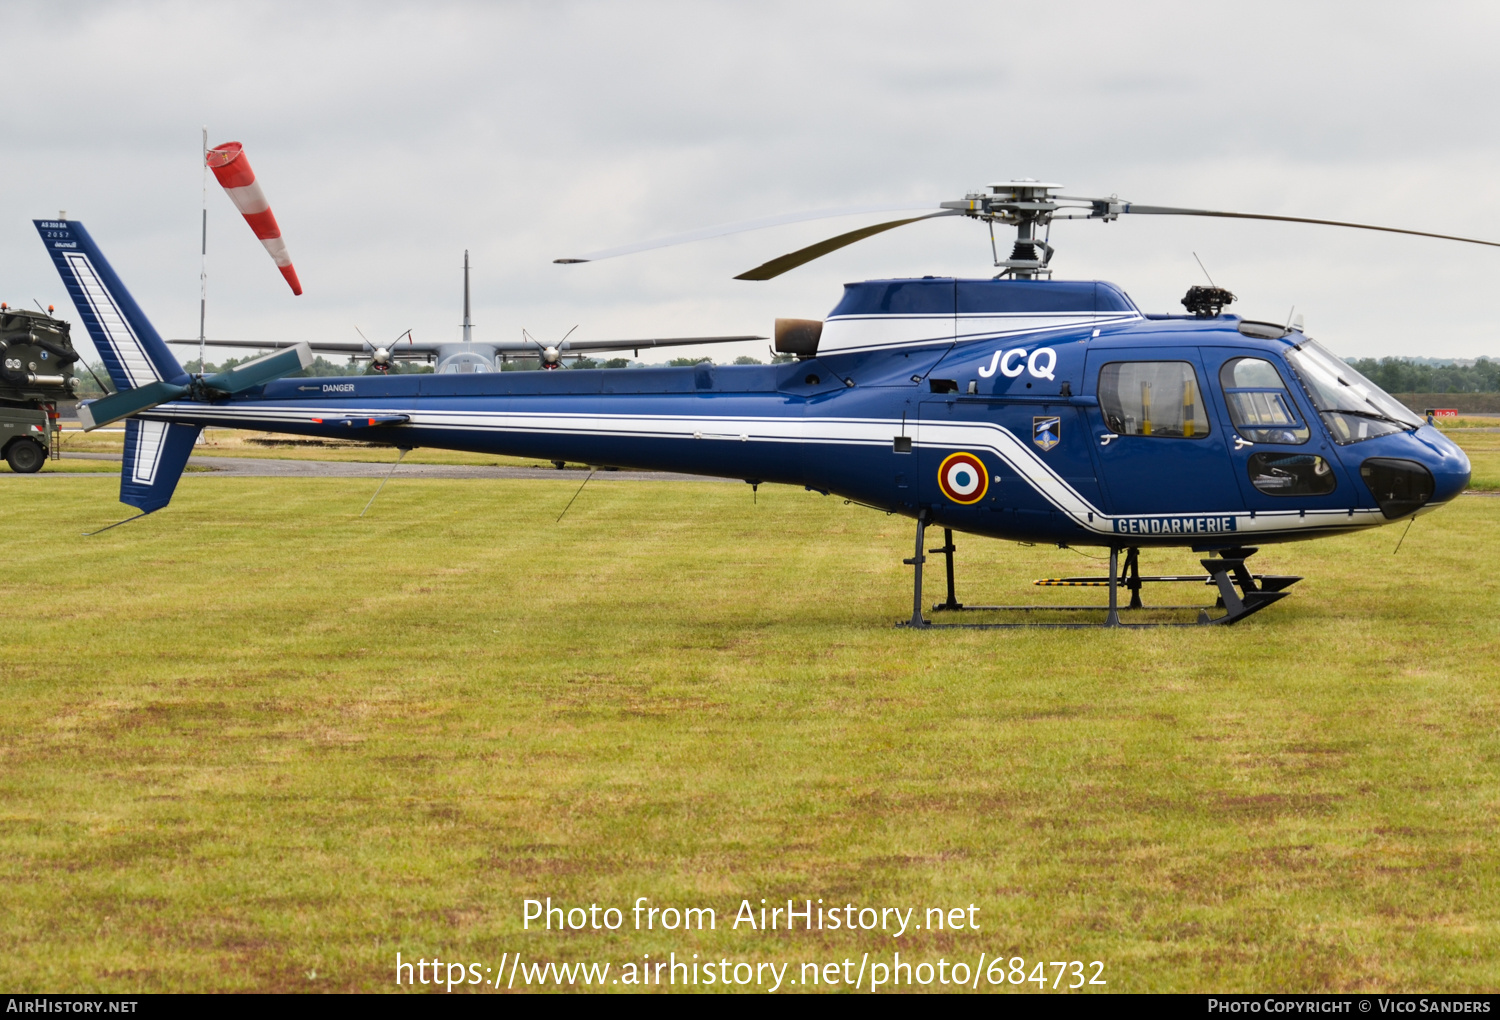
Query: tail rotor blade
x,y
127,402
262,370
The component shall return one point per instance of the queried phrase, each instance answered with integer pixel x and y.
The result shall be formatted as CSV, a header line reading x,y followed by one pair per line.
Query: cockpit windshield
x,y
1352,406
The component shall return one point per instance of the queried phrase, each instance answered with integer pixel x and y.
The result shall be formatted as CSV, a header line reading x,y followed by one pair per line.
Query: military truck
x,y
36,371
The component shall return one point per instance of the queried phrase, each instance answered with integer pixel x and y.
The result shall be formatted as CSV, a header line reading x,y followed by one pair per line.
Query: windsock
x,y
233,171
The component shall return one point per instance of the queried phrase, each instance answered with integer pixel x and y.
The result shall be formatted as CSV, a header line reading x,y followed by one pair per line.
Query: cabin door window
x,y
1153,398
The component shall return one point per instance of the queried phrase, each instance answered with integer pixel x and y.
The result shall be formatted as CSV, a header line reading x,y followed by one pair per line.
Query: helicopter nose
x,y
1403,485
1449,465
1446,463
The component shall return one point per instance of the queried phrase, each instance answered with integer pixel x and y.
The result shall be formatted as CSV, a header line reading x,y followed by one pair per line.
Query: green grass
x,y
254,742
1483,449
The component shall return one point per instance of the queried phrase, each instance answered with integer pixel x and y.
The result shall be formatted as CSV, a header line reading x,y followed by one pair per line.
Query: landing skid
x,y
1241,593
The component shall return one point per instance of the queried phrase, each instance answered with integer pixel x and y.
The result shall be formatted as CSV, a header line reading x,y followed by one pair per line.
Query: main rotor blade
x,y
743,225
777,266
1164,210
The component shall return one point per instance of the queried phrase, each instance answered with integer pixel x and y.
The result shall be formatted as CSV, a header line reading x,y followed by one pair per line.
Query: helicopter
x,y
1015,407
468,355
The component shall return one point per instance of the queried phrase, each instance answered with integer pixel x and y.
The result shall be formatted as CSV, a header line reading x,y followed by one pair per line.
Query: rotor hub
x,y
1026,204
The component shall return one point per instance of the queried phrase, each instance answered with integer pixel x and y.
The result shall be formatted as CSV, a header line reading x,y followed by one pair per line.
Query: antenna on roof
x,y
1205,269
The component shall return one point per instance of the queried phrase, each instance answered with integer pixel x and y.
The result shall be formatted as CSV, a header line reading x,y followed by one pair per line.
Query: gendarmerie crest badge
x,y
1046,432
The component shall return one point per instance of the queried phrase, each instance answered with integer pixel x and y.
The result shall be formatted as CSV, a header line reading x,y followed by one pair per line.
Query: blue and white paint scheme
x,y
156,450
906,373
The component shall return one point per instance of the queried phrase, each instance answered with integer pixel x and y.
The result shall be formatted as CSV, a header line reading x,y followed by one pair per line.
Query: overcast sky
x,y
389,138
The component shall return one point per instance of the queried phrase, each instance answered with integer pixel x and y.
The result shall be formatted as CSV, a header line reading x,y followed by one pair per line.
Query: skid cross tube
x,y
1240,593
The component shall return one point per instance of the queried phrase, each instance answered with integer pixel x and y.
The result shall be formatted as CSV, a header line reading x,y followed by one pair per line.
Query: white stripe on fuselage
x,y
849,333
1018,454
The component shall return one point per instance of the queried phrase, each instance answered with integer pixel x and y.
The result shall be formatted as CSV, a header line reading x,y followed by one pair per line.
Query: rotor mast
x,y
1025,204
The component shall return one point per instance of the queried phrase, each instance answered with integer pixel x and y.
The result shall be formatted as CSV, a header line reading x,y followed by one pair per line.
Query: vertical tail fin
x,y
135,357
133,351
155,454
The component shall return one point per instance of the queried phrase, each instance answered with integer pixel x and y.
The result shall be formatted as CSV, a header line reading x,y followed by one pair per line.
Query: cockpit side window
x,y
1259,404
1352,407
1153,398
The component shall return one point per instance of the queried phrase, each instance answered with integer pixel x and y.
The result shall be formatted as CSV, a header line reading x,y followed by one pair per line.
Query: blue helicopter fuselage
x,y
1030,410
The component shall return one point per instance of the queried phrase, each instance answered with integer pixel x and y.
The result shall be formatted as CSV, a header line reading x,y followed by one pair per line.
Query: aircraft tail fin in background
x,y
132,350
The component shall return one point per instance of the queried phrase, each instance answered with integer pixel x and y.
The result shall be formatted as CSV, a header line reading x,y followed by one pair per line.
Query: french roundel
x,y
963,478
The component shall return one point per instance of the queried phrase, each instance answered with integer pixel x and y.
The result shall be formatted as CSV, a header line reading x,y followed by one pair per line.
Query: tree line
x,y
1408,375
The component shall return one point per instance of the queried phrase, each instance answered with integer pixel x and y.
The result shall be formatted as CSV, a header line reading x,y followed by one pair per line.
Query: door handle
x,y
1240,443
1107,438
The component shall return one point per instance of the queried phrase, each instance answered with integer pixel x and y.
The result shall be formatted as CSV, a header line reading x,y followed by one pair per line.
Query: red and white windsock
x,y
233,171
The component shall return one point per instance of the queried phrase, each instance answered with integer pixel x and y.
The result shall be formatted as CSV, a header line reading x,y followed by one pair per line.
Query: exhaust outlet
x,y
798,336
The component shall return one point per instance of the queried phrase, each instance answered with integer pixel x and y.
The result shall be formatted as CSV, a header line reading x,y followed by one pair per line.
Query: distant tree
x,y
87,387
616,363
1407,375
407,368
745,359
687,362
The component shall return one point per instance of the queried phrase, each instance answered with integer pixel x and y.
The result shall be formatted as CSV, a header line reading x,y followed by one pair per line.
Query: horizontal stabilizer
x,y
127,402
261,370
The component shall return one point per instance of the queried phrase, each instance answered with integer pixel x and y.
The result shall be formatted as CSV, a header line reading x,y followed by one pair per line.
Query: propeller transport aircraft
x,y
468,355
1018,407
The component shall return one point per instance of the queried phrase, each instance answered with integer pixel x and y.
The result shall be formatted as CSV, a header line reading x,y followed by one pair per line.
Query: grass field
x,y
1483,449
254,742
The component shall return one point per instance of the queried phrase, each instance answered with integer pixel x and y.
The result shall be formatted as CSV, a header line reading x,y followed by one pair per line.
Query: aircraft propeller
x,y
380,357
551,356
1028,205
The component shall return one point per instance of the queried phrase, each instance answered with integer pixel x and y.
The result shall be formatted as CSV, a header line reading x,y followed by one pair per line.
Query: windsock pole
x,y
233,172
203,265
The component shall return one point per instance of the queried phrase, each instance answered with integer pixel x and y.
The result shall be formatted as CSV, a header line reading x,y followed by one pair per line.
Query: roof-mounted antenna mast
x,y
468,326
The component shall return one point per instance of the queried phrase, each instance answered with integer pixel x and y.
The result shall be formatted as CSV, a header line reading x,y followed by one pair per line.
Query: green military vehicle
x,y
36,371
